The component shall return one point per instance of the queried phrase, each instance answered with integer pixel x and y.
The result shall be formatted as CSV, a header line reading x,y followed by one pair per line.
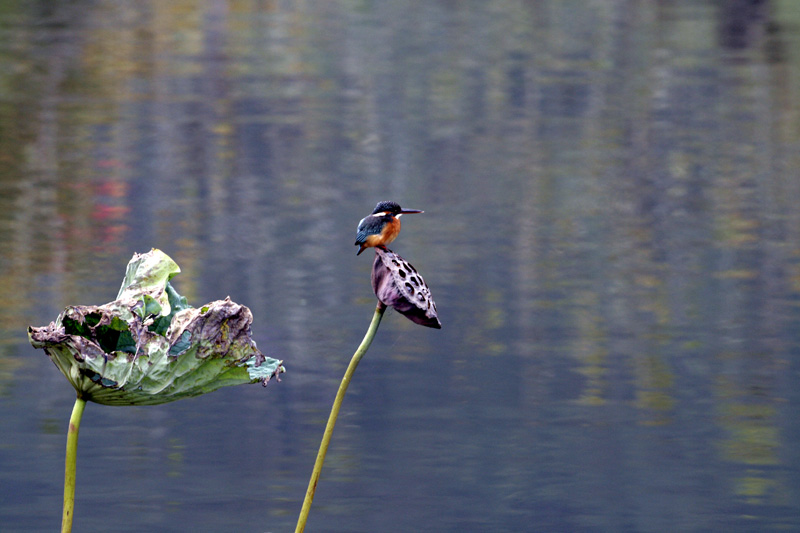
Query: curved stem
x,y
69,467
337,404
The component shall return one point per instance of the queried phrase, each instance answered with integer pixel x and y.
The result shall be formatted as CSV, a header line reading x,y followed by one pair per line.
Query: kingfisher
x,y
381,226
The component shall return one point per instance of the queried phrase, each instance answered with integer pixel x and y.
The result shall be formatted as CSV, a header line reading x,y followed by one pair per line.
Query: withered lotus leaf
x,y
149,346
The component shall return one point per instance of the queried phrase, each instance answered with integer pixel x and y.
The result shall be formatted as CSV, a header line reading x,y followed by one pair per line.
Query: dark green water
x,y
611,235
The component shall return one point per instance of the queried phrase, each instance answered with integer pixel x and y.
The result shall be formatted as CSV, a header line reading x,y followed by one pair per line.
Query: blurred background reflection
x,y
611,234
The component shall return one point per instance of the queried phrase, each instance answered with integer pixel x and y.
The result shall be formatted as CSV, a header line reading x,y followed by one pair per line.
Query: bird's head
x,y
392,208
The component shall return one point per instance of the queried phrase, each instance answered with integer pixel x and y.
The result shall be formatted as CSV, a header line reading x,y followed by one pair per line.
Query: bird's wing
x,y
370,225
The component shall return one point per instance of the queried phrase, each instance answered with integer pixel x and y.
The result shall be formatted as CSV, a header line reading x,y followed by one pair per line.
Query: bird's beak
x,y
409,211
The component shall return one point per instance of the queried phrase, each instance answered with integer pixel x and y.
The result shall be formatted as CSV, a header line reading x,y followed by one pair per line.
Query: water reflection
x,y
610,235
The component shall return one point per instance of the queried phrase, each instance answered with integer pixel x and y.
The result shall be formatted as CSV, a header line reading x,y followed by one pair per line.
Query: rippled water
x,y
610,233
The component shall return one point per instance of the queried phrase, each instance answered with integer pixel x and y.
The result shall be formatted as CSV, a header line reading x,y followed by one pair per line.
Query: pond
x,y
611,235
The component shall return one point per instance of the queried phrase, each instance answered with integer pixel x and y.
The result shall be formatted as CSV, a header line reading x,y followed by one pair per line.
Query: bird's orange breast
x,y
390,231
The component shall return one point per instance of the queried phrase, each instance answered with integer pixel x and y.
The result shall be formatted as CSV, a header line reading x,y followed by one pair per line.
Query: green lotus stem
x,y
337,404
69,468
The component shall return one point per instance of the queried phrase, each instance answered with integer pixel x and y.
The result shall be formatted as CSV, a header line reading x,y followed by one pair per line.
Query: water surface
x,y
610,233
